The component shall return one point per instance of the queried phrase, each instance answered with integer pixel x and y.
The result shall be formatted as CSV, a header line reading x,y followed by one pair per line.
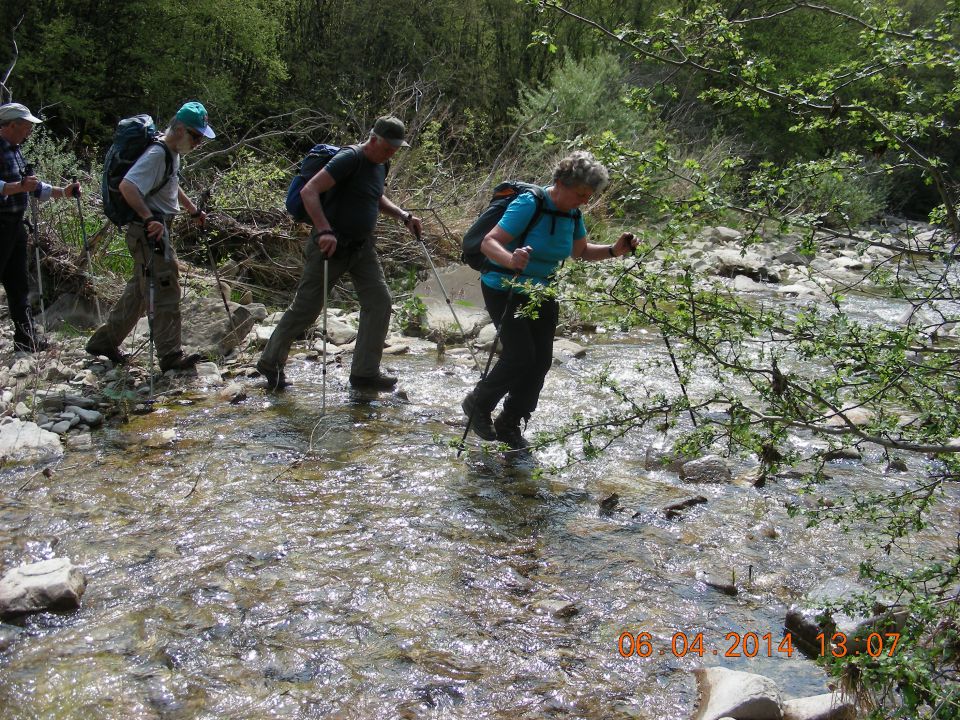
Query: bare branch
x,y
6,95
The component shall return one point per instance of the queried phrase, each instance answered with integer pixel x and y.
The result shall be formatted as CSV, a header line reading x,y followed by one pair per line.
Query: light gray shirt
x,y
147,172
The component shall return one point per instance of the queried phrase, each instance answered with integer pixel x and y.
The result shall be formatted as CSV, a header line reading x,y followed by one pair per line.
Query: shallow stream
x,y
273,562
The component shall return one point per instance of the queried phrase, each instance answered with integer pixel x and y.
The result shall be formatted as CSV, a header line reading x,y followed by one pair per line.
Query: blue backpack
x,y
312,163
130,140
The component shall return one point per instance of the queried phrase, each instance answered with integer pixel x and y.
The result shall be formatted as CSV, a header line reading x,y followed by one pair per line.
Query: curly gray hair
x,y
581,168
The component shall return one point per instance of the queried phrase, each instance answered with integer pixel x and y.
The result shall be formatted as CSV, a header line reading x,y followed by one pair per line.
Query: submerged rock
x,y
708,469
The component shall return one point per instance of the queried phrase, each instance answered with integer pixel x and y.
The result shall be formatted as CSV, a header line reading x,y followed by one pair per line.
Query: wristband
x,y
610,250
407,215
152,218
321,233
196,213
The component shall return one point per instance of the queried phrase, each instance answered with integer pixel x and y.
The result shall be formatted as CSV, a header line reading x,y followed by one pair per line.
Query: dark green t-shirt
x,y
352,205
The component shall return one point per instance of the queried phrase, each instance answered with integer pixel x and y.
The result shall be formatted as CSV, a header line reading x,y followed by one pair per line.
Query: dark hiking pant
x,y
364,269
526,357
13,267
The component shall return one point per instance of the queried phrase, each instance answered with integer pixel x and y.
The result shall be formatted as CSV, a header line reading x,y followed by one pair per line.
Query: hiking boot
x,y
380,381
480,421
27,339
179,361
507,427
30,345
274,377
112,354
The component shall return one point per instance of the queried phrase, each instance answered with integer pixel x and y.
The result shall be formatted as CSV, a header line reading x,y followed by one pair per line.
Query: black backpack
x,y
503,194
130,140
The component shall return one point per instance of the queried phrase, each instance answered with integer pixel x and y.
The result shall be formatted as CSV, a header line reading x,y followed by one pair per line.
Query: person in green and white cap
x,y
152,189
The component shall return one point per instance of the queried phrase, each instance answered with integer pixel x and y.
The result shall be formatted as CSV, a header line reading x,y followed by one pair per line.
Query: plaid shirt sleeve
x,y
10,169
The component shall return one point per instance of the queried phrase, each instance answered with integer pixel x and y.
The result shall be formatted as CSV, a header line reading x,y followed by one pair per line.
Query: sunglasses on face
x,y
195,135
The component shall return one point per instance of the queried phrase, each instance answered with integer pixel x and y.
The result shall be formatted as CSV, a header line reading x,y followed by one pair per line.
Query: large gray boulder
x,y
55,584
731,261
461,282
207,327
740,695
441,322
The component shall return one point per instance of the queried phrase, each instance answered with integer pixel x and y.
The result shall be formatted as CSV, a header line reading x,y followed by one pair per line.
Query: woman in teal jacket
x,y
527,353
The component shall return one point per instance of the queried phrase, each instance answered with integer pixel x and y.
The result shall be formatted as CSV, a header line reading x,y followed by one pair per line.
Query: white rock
x,y
461,282
80,441
723,234
49,584
830,706
741,695
208,372
847,263
22,367
856,415
741,283
234,392
26,442
441,321
56,371
564,350
799,290
339,332
262,333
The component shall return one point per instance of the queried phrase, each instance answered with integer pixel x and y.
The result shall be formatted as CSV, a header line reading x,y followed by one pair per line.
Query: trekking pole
x,y
493,350
86,251
35,221
446,297
151,293
204,200
323,386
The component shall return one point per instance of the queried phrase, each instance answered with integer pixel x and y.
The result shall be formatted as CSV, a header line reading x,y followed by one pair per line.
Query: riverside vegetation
x,y
808,123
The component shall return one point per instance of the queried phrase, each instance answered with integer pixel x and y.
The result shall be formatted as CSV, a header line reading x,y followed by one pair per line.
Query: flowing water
x,y
270,561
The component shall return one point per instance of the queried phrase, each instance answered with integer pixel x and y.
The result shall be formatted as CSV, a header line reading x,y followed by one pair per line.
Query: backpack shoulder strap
x,y
168,164
537,193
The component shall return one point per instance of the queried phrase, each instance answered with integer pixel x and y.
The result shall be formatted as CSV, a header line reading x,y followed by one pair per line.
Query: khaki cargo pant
x,y
162,270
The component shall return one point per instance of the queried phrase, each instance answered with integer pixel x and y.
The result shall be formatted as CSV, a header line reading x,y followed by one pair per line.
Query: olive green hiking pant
x,y
365,271
150,269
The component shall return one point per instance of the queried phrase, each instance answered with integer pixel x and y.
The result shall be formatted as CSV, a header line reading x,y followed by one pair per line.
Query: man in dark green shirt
x,y
343,223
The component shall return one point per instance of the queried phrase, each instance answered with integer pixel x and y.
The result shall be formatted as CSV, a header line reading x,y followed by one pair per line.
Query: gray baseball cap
x,y
391,129
16,111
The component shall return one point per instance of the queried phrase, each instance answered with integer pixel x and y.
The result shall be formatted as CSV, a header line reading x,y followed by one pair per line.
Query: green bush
x,y
843,191
582,99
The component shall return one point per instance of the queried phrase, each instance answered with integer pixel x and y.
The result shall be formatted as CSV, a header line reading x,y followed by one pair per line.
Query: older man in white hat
x,y
17,183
